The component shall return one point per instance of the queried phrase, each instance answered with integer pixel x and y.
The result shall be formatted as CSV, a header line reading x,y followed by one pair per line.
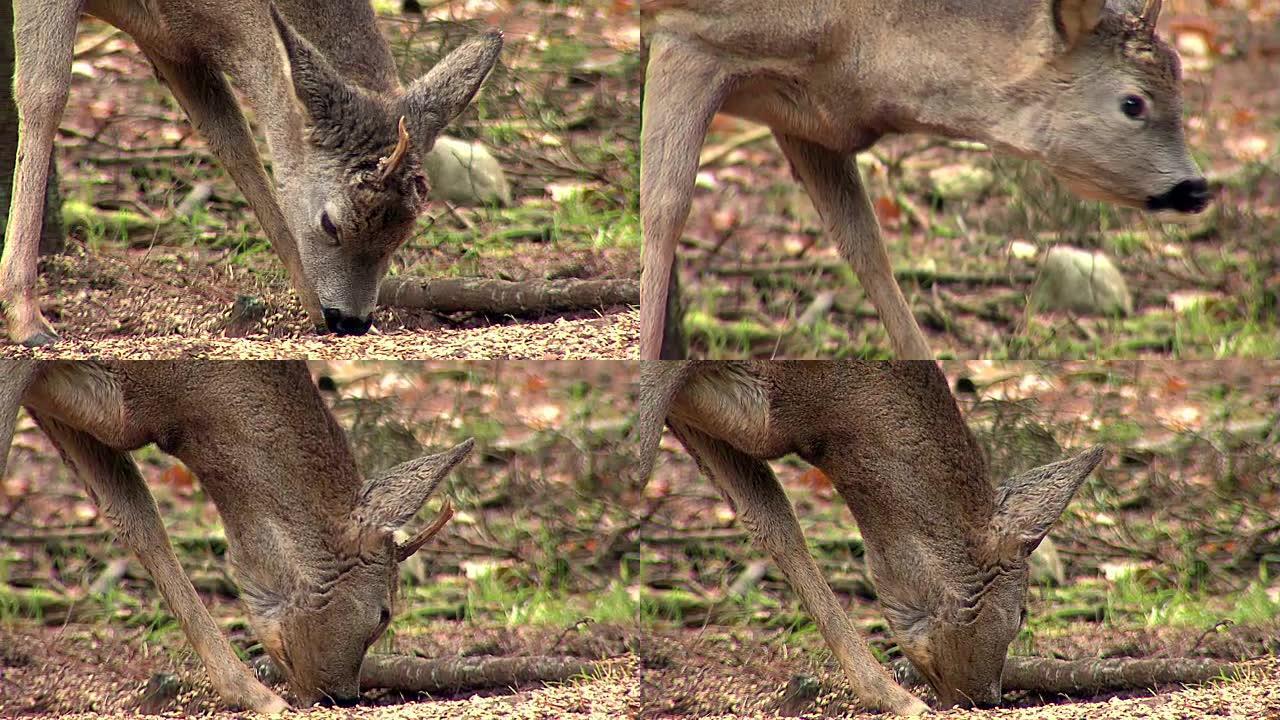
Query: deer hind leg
x,y
44,33
762,506
683,90
835,185
119,491
206,97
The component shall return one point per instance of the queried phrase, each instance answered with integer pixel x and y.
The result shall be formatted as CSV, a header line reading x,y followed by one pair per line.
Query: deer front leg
x,y
209,102
120,493
683,89
43,35
835,186
762,506
15,377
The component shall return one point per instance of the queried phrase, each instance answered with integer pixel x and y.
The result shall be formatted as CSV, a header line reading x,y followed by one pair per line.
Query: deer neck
x,y
354,46
266,83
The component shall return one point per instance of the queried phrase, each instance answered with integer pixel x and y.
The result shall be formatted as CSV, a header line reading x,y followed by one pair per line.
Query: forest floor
x,y
77,670
1170,549
520,569
560,112
754,258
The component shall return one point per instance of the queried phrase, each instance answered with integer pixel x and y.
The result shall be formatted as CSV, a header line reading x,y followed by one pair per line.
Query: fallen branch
x,y
1050,676
407,673
199,195
502,297
817,310
922,276
1232,435
716,153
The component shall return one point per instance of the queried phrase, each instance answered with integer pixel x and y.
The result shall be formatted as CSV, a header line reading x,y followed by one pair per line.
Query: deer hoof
x,y
40,339
28,327
912,707
272,704
40,335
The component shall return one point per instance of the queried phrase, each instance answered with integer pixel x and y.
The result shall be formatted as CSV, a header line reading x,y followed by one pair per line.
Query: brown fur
x,y
1042,79
947,552
309,540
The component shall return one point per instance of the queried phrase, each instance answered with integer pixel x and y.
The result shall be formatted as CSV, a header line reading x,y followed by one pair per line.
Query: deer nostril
x,y
1188,196
343,324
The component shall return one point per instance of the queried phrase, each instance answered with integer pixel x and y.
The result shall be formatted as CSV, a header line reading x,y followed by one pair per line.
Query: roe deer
x,y
947,551
1084,86
309,541
346,139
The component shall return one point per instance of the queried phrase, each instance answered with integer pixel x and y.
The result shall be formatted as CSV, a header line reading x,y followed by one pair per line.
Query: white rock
x,y
960,181
1023,250
1083,282
466,173
1185,300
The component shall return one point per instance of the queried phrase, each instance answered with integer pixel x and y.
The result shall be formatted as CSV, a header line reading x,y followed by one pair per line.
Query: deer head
x,y
1103,109
317,607
356,187
954,600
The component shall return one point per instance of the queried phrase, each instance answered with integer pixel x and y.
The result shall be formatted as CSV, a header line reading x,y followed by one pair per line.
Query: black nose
x,y
343,324
1188,196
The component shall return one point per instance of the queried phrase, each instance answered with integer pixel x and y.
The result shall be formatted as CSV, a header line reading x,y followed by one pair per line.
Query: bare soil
x,y
1186,501
725,672
166,303
104,670
168,287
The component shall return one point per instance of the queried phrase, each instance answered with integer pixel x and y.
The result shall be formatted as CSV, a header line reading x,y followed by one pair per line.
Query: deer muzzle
x,y
1188,196
344,324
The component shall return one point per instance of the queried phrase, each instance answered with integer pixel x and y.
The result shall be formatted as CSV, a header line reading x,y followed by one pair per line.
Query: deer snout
x,y
343,324
1188,196
984,698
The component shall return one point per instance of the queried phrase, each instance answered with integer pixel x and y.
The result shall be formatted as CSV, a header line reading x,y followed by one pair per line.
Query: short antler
x,y
415,543
1151,13
392,163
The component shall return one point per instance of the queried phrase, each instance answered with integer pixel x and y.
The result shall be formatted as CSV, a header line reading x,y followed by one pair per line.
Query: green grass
x,y
1129,602
499,597
1217,253
1140,600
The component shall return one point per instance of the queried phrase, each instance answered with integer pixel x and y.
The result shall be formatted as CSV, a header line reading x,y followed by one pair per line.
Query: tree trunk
x,y
1050,676
51,237
502,297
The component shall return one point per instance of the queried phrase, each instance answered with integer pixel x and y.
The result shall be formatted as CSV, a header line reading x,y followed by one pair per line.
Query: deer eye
x,y
1133,107
327,224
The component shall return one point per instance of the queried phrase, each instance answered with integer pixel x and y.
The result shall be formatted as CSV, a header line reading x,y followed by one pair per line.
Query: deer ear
x,y
1027,505
1150,14
1074,19
336,109
392,499
435,99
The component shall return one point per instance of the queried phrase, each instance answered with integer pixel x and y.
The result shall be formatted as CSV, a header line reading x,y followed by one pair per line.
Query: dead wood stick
x,y
923,276
407,673
199,195
750,577
818,309
716,153
1051,676
502,297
